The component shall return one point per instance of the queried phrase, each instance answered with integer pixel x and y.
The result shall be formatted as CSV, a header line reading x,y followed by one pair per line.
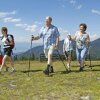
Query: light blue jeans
x,y
81,54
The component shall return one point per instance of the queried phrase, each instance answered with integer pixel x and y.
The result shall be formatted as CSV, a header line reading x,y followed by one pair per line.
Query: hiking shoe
x,y
7,68
46,71
51,69
81,69
13,70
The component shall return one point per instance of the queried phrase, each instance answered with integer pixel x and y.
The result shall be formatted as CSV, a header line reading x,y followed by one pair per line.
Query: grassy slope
x,y
59,86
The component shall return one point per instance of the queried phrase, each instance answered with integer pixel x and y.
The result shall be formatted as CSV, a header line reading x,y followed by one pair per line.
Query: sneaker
x,y
7,68
46,71
81,69
51,69
13,70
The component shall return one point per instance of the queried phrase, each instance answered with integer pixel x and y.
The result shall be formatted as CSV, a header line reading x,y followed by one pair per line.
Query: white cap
x,y
69,34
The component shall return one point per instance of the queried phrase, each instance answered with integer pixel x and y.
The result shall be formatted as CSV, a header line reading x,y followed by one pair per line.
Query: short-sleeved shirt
x,y
68,45
81,40
6,42
49,35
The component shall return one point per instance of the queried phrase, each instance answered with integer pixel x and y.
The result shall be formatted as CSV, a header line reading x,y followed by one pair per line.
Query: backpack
x,y
13,45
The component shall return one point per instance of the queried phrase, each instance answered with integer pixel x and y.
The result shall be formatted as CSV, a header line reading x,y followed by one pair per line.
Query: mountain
x,y
39,49
94,50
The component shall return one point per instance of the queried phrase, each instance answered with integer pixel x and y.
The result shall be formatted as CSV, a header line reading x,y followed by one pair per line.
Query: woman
x,y
7,46
68,49
82,44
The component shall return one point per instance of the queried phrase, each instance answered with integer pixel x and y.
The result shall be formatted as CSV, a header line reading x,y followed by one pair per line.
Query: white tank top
x,y
68,45
5,42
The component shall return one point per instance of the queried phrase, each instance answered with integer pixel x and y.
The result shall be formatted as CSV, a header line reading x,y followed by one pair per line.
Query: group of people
x,y
50,35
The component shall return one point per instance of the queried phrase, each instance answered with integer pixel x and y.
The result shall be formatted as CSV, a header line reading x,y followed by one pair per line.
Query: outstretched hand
x,y
32,38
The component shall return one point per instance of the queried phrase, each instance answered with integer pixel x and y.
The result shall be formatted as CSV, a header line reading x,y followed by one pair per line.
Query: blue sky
x,y
25,17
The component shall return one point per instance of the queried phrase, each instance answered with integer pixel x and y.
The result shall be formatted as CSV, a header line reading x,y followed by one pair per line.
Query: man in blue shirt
x,y
50,35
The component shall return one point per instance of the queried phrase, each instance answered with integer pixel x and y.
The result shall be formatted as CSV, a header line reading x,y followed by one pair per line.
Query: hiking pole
x,y
61,59
90,58
30,58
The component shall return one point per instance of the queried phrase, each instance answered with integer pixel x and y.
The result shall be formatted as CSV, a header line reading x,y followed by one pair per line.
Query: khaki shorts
x,y
49,50
8,51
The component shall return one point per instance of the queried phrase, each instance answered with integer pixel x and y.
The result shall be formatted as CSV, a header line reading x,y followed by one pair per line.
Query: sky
x,y
26,17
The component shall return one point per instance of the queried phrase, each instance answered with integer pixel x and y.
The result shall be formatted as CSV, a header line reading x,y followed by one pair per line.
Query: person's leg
x,y
79,57
78,53
6,67
46,71
50,53
12,63
83,55
66,56
3,61
49,59
9,54
69,59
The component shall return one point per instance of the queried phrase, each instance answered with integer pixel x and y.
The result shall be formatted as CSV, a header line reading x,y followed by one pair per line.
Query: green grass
x,y
58,86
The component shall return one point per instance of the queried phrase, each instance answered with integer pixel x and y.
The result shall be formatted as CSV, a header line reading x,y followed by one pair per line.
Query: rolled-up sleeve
x,y
57,34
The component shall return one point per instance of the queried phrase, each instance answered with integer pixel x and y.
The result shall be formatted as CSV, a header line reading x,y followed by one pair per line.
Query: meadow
x,y
60,85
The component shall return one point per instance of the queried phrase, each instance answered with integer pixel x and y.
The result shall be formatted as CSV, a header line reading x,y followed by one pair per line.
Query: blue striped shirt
x,y
49,35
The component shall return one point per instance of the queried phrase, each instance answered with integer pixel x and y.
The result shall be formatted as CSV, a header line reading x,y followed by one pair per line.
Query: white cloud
x,y
10,19
73,2
38,23
32,28
79,7
94,37
63,33
62,30
21,25
95,11
4,14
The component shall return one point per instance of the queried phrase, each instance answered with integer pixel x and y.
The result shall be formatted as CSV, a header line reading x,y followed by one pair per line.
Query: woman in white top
x,y
7,43
82,44
68,49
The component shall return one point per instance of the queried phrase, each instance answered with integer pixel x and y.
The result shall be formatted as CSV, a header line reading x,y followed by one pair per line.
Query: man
x,y
50,35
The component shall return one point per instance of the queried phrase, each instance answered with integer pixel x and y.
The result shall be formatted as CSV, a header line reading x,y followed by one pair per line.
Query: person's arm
x,y
39,36
88,41
35,38
74,37
57,38
11,42
57,42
